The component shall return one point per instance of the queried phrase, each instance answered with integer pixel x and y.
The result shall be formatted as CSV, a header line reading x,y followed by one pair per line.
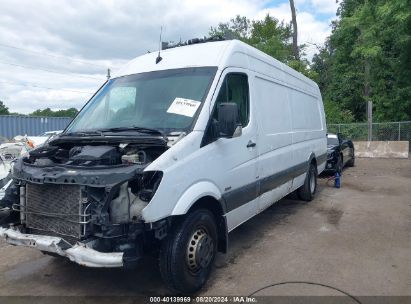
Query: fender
x,y
193,194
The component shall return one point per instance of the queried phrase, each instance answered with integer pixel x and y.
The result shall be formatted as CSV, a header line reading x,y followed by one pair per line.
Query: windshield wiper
x,y
134,128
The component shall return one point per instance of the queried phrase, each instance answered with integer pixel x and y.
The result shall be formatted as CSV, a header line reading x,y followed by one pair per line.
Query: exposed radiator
x,y
55,210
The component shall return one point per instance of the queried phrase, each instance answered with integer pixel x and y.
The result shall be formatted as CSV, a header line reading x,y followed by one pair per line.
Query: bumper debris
x,y
79,253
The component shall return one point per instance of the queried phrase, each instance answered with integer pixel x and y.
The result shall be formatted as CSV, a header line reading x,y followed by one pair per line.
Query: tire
x,y
307,191
339,165
351,162
188,252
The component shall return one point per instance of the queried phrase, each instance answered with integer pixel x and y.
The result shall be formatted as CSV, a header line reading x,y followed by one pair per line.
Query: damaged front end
x,y
82,199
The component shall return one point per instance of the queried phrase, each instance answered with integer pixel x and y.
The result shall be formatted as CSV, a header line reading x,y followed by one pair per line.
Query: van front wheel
x,y
307,191
188,252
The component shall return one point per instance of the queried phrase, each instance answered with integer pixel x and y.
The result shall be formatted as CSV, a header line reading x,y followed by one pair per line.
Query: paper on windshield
x,y
184,106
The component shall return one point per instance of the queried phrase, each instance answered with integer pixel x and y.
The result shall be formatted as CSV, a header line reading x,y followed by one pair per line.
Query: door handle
x,y
251,144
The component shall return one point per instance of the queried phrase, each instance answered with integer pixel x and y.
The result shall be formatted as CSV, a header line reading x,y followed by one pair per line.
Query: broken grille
x,y
57,209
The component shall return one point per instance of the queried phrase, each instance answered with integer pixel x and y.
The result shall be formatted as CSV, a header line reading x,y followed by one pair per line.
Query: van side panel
x,y
308,131
274,140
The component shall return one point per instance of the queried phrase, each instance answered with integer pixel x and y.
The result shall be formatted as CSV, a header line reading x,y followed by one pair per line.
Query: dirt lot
x,y
357,239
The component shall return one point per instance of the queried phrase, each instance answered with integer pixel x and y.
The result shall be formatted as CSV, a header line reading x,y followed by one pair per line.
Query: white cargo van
x,y
168,157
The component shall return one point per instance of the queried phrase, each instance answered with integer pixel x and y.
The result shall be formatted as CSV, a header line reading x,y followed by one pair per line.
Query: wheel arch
x,y
312,159
205,195
217,209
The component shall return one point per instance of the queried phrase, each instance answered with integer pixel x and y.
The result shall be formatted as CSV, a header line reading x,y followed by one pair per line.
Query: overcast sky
x,y
81,38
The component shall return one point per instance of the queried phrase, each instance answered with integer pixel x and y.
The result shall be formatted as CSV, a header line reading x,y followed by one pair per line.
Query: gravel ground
x,y
356,239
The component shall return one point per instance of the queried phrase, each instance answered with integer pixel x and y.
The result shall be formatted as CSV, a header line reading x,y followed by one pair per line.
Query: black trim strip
x,y
240,196
270,182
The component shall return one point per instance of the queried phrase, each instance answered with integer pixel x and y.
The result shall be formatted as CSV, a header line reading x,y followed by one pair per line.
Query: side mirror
x,y
229,124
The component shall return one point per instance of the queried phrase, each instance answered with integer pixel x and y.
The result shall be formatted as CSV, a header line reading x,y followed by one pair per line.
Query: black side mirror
x,y
229,124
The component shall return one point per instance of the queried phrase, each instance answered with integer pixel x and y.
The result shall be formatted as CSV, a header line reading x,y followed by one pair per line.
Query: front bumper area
x,y
79,253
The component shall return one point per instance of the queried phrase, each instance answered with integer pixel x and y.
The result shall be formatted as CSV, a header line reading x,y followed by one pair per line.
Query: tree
x,y
368,57
295,32
59,113
268,35
71,112
272,37
3,109
236,28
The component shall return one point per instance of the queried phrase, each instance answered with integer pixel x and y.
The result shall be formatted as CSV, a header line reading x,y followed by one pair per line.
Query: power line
x,y
41,87
51,55
46,70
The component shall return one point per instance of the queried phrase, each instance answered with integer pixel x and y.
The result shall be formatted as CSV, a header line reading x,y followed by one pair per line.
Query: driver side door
x,y
235,159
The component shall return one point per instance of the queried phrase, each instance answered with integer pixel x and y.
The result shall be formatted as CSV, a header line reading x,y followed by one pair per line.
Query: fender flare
x,y
193,194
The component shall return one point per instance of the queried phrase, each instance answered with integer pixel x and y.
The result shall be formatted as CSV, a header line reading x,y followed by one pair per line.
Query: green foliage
x,y
269,35
237,28
272,37
59,113
3,109
336,114
368,57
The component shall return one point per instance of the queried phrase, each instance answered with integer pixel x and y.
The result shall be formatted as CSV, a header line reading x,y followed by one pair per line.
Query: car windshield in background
x,y
332,141
163,100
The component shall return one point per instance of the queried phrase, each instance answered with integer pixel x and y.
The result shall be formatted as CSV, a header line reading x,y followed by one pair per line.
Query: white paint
x,y
278,95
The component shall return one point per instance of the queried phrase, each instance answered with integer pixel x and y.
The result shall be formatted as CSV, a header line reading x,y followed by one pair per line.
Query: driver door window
x,y
235,89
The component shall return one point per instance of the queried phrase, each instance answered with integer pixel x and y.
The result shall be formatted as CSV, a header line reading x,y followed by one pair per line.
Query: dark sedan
x,y
340,153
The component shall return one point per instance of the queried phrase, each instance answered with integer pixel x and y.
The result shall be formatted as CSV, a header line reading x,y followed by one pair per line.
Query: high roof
x,y
222,54
195,55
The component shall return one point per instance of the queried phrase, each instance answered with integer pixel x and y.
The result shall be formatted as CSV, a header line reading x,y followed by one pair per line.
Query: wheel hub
x,y
200,250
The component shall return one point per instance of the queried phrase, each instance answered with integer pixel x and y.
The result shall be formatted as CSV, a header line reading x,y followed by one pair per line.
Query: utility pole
x,y
108,74
369,119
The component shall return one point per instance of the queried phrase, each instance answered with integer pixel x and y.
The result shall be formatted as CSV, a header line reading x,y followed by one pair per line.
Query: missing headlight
x,y
150,182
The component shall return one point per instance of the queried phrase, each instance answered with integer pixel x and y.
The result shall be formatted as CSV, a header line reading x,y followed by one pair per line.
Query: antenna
x,y
158,59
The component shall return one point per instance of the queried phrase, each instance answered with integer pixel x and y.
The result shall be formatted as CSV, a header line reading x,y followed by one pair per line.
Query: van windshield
x,y
163,100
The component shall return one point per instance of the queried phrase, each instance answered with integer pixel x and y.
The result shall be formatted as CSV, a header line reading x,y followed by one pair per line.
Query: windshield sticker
x,y
183,106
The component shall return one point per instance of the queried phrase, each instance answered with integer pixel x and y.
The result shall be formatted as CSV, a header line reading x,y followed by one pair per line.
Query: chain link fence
x,y
381,131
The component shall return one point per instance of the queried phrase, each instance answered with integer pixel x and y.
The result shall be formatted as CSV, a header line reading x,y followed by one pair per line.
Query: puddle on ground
x,y
333,215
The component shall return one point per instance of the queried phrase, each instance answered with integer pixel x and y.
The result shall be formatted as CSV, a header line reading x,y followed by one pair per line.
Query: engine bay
x,y
86,191
93,155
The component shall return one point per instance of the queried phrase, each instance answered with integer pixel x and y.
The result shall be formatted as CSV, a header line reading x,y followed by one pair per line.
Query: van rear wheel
x,y
188,252
307,191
